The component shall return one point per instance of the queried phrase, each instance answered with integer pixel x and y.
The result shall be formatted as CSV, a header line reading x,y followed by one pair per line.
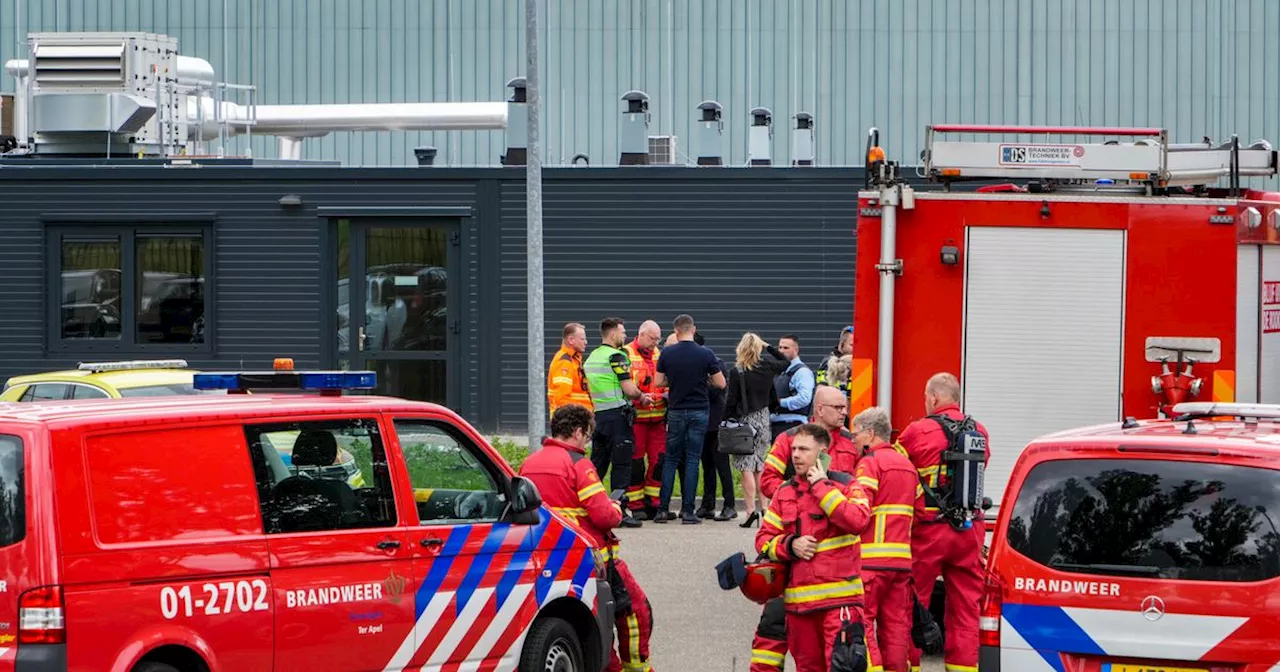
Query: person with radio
x,y
570,486
949,451
812,525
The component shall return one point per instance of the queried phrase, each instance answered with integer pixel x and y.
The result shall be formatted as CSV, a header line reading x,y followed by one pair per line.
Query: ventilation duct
x,y
760,137
634,132
802,140
710,126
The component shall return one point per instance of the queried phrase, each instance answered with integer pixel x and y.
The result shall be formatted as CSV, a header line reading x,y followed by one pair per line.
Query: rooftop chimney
x,y
517,124
634,135
426,155
710,126
760,137
802,140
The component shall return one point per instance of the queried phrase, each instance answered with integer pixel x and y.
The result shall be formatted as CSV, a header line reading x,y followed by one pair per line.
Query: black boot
x,y
727,513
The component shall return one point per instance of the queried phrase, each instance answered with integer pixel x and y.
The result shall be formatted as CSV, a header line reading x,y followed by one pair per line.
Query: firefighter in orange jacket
x,y
570,486
896,498
769,646
937,547
565,382
651,422
813,523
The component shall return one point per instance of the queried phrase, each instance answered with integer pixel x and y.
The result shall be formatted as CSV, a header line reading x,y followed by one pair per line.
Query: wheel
x,y
153,666
552,646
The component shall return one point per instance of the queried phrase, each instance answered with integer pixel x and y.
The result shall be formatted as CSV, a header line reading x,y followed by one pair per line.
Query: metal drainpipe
x,y
889,269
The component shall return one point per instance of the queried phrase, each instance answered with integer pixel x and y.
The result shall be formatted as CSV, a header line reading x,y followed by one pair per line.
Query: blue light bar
x,y
215,381
286,380
338,380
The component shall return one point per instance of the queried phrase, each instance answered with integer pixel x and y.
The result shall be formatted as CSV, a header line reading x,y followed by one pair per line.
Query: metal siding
x,y
1035,297
1195,67
772,254
267,260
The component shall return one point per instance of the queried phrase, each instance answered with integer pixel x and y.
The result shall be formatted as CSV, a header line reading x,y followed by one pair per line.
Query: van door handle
x,y
429,542
386,544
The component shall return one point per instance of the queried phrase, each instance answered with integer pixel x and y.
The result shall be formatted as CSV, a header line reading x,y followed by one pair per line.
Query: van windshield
x,y
13,509
1194,521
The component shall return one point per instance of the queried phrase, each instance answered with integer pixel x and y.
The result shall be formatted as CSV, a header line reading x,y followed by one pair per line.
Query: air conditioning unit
x,y
662,150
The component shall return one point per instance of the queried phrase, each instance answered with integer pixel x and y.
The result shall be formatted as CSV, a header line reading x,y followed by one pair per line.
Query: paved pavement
x,y
697,626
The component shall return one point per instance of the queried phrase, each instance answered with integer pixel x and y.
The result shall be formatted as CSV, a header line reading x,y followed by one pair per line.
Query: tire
x,y
552,646
152,666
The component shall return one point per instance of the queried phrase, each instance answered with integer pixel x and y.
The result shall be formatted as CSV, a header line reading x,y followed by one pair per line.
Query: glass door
x,y
393,312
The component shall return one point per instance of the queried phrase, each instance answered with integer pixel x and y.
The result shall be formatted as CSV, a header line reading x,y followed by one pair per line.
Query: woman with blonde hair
x,y
749,385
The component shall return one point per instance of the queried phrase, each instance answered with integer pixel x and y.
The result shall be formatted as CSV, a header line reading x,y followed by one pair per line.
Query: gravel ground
x,y
697,626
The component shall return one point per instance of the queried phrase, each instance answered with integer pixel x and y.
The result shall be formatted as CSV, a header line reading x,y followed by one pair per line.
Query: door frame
x,y
459,219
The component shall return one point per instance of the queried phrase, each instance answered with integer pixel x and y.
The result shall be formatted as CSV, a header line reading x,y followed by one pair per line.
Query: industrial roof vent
x,y
802,140
80,65
760,137
710,126
635,129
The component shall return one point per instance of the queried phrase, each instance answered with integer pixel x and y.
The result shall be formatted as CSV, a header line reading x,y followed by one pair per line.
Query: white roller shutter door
x,y
1248,288
1044,317
1269,360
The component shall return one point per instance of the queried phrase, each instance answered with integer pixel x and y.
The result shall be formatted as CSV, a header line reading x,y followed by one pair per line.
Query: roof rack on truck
x,y
1143,158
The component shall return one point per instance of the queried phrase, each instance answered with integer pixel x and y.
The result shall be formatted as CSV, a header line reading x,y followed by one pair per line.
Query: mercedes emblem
x,y
1153,608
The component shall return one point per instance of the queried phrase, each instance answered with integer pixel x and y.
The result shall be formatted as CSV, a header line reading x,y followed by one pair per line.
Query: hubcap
x,y
559,658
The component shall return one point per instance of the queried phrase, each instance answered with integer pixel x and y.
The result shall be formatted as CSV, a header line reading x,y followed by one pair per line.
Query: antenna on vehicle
x,y
1191,427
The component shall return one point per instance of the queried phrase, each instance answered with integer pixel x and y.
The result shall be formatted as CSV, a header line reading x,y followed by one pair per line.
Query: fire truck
x,y
1066,283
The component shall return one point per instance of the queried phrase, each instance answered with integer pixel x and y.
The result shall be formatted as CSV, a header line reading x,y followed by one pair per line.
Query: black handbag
x,y
736,437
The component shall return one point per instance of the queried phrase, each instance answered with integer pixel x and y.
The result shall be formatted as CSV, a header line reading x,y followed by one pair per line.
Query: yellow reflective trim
x,y
823,591
765,657
635,495
879,527
773,519
590,490
960,668
562,379
831,500
843,541
772,460
633,634
652,490
886,550
869,482
421,495
894,510
770,548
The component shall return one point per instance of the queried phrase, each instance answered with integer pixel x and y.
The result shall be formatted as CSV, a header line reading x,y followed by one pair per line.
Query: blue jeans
x,y
686,431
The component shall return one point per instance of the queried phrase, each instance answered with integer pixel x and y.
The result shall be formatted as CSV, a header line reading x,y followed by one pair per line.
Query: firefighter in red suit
x,y
896,496
651,422
937,547
812,524
570,486
769,647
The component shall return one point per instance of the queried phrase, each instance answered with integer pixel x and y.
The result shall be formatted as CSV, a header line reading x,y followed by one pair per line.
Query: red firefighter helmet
x,y
764,581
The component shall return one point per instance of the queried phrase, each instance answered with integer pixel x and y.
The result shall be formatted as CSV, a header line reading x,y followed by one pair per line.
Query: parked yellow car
x,y
105,380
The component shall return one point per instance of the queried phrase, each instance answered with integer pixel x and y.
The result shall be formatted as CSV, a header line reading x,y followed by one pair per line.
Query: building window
x,y
131,287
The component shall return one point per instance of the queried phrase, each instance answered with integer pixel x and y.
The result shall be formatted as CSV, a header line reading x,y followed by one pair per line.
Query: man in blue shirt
x,y
688,370
793,389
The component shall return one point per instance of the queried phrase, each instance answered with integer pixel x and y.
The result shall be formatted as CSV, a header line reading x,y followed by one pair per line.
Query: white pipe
x,y
888,275
300,121
192,70
290,148
17,68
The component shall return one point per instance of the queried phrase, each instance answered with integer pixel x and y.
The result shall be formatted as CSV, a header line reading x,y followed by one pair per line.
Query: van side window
x,y
453,480
13,495
324,475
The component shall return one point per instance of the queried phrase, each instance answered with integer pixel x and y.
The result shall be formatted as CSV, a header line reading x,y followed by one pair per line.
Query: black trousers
x,y
612,444
715,463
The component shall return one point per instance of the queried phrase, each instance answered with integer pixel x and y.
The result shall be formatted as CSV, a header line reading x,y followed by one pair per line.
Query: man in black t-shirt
x,y
688,370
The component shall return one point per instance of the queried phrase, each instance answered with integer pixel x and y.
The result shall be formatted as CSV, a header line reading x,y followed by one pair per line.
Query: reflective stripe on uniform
x,y
773,519
823,591
885,550
960,668
773,461
602,382
893,510
869,482
831,500
607,553
843,541
652,491
590,490
767,657
770,548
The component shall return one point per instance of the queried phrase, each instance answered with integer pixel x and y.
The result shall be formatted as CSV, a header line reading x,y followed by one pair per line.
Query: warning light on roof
x,y
319,381
284,364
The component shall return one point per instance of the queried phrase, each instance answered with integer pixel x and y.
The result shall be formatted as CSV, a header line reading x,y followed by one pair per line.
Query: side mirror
x,y
525,501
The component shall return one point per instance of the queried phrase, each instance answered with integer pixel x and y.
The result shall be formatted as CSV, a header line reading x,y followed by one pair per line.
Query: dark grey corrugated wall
x,y
762,250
